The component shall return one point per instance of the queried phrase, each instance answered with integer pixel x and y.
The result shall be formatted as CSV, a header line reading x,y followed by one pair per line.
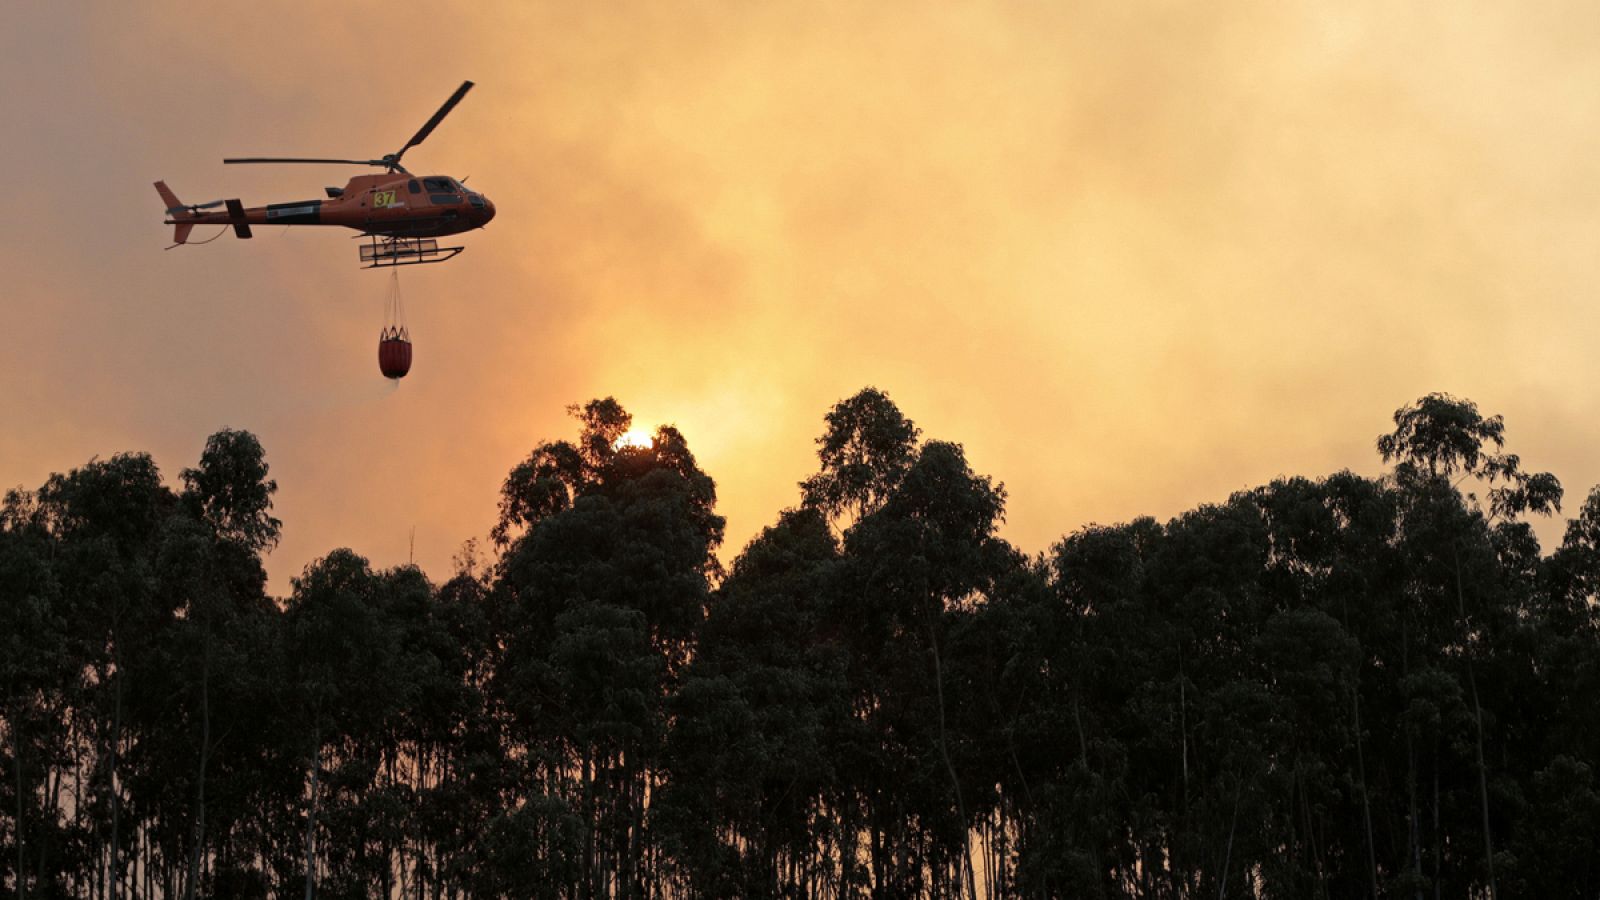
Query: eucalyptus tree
x,y
747,805
343,653
606,568
1196,730
213,572
106,520
372,796
868,446
1457,547
929,552
38,668
1569,648
179,697
1555,840
994,655
462,780
919,542
137,584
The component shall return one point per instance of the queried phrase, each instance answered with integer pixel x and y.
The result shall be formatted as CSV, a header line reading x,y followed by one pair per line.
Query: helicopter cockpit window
x,y
439,185
413,186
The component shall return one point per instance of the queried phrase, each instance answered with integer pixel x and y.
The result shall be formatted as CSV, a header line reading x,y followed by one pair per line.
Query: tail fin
x,y
176,210
174,205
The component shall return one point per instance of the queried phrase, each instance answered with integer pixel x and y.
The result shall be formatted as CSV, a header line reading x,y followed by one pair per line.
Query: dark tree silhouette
x,y
1326,688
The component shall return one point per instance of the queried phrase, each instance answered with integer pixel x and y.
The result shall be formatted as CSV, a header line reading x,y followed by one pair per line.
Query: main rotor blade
x,y
438,117
342,162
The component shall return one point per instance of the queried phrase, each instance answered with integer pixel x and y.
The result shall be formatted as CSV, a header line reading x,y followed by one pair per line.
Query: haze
x,y
1133,258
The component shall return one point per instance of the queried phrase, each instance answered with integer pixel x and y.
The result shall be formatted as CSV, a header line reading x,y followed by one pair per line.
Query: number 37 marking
x,y
380,199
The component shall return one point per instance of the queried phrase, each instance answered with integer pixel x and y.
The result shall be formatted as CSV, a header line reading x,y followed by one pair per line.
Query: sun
x,y
636,438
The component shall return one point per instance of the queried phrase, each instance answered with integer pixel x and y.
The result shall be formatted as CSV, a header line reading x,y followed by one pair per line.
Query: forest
x,y
1331,687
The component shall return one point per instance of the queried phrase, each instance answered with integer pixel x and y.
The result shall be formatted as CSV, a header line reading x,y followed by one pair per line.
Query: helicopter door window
x,y
413,186
439,185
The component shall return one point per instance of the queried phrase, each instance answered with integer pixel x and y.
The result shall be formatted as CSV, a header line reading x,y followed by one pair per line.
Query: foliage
x,y
1333,687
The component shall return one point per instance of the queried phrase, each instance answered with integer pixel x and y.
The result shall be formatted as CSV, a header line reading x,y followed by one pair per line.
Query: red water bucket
x,y
394,353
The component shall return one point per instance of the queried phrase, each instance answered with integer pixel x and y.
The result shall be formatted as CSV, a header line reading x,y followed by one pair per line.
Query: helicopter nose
x,y
482,210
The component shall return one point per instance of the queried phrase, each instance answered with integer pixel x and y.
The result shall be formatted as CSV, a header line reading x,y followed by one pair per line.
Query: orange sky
x,y
1134,257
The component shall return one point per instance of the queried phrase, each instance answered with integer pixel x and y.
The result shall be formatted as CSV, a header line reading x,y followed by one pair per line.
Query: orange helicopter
x,y
402,214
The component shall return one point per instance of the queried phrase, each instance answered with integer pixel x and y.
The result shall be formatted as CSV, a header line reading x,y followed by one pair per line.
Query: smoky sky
x,y
1132,256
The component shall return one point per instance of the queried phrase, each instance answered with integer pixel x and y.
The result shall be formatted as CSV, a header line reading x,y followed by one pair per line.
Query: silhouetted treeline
x,y
1333,688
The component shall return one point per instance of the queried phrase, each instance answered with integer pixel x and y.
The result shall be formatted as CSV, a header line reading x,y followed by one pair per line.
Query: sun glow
x,y
636,438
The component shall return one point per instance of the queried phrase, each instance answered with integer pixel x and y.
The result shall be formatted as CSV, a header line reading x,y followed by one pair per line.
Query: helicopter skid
x,y
402,251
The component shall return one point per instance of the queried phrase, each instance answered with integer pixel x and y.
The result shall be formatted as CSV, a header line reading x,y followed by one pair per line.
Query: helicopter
x,y
401,214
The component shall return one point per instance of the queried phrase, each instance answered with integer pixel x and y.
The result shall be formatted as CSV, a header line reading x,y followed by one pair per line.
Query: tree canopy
x,y
1333,686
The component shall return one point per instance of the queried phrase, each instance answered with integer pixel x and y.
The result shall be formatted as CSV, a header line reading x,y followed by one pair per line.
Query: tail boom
x,y
185,216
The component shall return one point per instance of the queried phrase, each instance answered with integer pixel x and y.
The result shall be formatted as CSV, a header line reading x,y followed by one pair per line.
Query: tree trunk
x,y
1483,780
877,854
1438,838
1227,855
967,885
205,756
311,817
589,829
1311,832
114,879
1477,718
1366,804
1183,728
1414,819
16,763
1361,763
